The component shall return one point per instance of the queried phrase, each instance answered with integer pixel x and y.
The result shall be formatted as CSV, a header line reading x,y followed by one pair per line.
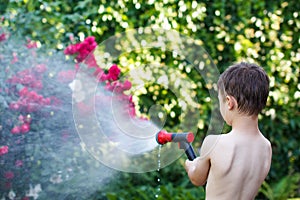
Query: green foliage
x,y
167,191
265,32
284,189
171,185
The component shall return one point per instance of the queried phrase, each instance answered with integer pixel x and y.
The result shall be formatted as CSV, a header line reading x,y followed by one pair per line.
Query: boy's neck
x,y
245,124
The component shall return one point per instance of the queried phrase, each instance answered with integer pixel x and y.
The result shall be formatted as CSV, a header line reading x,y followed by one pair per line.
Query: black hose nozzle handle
x,y
188,149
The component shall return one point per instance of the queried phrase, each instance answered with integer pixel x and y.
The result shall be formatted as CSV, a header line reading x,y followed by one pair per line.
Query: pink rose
x,y
90,40
33,96
2,37
19,163
131,111
3,150
126,85
118,87
14,106
23,91
46,101
114,72
8,184
91,61
15,58
66,76
31,44
9,175
70,50
27,79
90,43
103,77
37,85
82,49
25,128
15,130
41,68
21,118
109,86
84,108
98,72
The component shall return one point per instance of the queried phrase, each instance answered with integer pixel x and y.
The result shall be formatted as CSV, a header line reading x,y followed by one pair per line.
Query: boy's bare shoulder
x,y
223,142
266,144
209,144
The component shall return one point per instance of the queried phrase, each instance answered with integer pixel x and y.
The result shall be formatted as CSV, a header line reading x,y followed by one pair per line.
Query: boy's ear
x,y
230,102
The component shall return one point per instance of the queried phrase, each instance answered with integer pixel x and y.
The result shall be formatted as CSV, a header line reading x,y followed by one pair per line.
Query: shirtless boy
x,y
235,164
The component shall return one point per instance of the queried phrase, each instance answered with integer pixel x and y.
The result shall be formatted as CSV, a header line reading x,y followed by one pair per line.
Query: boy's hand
x,y
188,165
198,169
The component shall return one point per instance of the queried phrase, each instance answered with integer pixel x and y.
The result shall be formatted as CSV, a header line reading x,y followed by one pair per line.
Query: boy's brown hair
x,y
248,83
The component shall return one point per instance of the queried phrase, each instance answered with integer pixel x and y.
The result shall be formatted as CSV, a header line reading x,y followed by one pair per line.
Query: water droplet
x,y
158,169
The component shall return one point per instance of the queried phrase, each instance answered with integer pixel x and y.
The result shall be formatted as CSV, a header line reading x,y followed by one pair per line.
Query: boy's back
x,y
230,177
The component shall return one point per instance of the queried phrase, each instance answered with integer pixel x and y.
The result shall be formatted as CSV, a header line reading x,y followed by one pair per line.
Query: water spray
x,y
183,139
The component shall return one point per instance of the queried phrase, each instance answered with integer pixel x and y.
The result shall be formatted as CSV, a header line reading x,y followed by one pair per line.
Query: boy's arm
x,y
198,169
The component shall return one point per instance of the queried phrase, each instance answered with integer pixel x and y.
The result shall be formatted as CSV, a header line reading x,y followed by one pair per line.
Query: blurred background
x,y
264,32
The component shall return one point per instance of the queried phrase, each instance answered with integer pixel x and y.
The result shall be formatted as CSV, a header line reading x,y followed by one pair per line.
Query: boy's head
x,y
248,84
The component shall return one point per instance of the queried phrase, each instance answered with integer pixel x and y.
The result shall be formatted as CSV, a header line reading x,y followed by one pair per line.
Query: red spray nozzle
x,y
183,139
164,137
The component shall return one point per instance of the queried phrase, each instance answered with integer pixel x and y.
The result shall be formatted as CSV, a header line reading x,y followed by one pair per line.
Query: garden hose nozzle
x,y
183,139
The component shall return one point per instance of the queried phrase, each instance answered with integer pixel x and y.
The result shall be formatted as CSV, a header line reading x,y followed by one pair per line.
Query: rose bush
x,y
40,151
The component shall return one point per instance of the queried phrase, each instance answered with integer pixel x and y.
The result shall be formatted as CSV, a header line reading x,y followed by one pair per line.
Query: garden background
x,y
265,32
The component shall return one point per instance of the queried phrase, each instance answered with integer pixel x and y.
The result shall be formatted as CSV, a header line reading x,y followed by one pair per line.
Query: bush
x,y
41,154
